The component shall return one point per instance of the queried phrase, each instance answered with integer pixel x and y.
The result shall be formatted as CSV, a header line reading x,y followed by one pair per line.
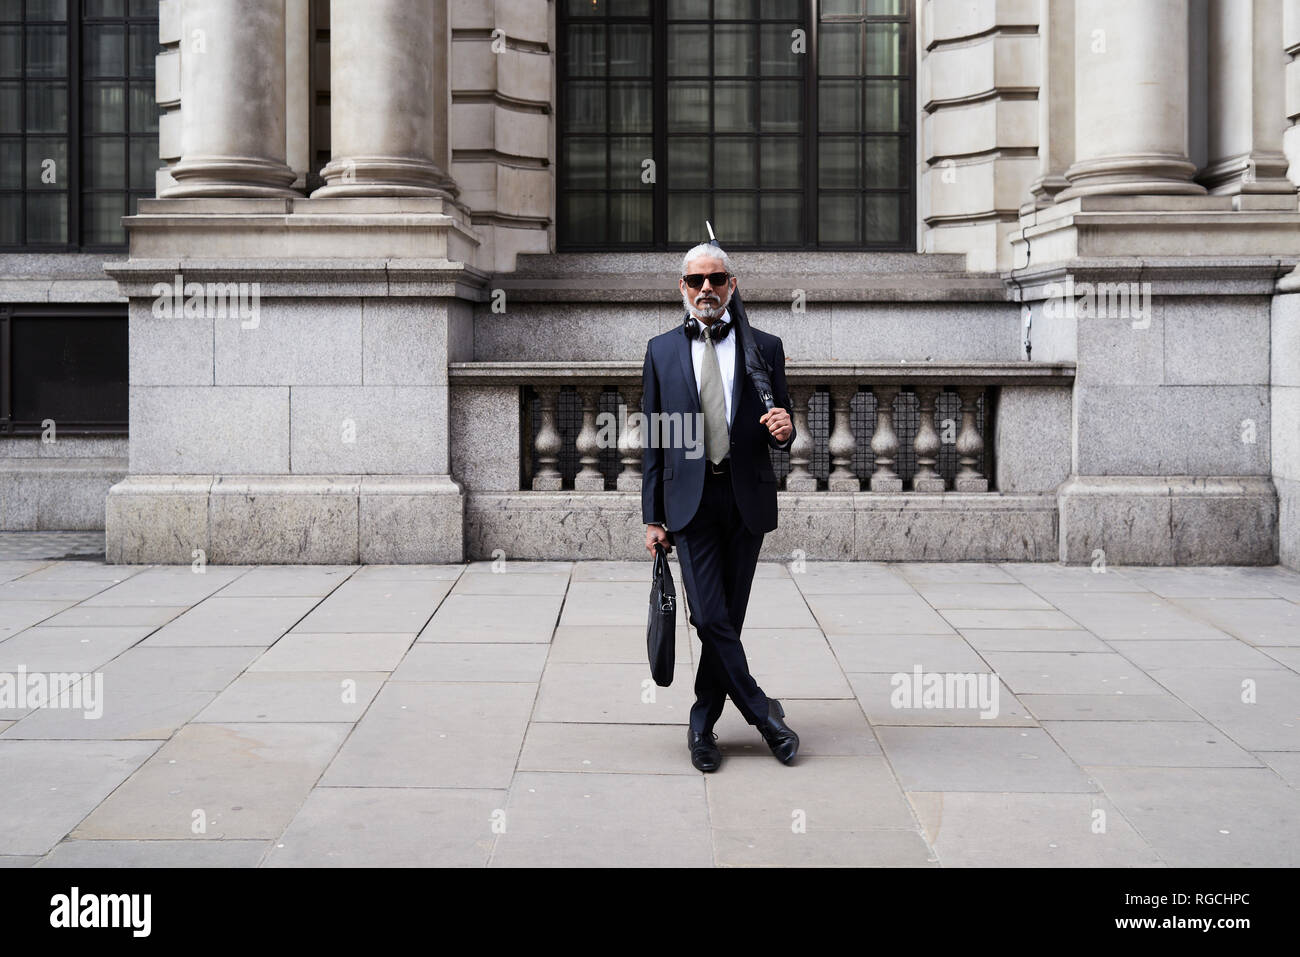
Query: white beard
x,y
709,314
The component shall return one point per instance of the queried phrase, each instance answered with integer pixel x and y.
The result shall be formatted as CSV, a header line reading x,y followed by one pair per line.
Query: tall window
x,y
735,111
78,126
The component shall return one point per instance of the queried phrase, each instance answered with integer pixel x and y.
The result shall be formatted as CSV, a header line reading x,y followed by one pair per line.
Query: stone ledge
x,y
56,493
947,526
285,519
1170,520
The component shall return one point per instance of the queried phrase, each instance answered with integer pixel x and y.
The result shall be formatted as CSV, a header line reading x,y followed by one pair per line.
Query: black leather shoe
x,y
704,753
778,735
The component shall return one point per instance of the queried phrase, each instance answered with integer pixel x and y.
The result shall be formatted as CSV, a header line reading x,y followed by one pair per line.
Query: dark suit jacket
x,y
671,481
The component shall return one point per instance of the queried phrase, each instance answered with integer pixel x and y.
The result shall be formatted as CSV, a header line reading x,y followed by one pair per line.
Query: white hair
x,y
706,249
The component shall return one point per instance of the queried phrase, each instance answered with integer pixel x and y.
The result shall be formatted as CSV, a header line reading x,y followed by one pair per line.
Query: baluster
x,y
799,478
927,444
630,441
841,443
884,442
970,444
589,478
546,444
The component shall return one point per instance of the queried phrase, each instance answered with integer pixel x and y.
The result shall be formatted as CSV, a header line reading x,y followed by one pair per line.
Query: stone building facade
x,y
405,255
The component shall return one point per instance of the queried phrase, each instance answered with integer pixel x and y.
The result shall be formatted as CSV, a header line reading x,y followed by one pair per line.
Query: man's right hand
x,y
656,533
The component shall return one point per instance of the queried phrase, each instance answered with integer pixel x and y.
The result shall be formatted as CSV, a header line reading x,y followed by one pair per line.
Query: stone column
x,y
233,100
388,84
1055,99
1247,114
1131,102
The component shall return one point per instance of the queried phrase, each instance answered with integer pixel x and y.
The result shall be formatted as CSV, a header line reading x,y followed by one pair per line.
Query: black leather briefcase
x,y
661,632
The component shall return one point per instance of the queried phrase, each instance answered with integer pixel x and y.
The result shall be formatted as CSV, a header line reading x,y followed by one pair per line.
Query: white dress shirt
x,y
726,361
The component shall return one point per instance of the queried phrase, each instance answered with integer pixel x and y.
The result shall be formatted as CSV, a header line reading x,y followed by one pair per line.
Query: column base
x,y
1141,174
384,176
1169,520
285,519
205,176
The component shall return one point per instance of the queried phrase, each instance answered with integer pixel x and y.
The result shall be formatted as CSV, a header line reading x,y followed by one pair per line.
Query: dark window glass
x,y
78,124
68,366
779,138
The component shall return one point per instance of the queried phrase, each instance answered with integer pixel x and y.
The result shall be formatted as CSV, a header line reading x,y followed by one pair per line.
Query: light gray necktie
x,y
717,432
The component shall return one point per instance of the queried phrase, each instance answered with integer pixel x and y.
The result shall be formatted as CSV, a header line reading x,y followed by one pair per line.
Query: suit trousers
x,y
718,555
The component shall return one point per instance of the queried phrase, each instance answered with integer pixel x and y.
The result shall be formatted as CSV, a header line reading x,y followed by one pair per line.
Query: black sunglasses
x,y
696,280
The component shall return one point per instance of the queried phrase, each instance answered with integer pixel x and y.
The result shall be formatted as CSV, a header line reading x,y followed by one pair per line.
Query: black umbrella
x,y
755,365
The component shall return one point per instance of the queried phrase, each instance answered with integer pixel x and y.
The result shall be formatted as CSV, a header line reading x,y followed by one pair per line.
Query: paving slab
x,y
234,621
1271,722
603,693
247,780
339,651
1259,621
971,596
602,644
115,616
825,727
12,860
155,854
291,697
472,661
1070,672
978,829
1032,639
513,565
1108,707
17,568
607,748
605,820
125,715
889,653
969,618
516,583
170,585
819,793
408,573
1285,763
391,827
1042,576
199,668
881,615
16,616
953,573
67,649
270,581
794,663
1149,744
524,618
30,589
782,847
1287,656
81,572
980,759
1132,616
877,693
851,578
1199,582
376,605
436,734
638,571
1209,817
49,786
1200,653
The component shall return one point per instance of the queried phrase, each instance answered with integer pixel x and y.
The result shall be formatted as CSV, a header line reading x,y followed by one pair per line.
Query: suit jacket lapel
x,y
688,367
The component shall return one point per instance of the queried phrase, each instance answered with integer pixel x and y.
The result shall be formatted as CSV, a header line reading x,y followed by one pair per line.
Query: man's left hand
x,y
778,423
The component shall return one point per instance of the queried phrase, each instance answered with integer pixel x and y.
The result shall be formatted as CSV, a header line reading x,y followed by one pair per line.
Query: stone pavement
x,y
457,715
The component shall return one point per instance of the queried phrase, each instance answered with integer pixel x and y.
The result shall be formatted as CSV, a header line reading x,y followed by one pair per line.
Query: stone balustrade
x,y
861,427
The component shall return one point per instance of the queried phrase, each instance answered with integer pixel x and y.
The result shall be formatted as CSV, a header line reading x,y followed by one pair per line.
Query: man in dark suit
x,y
709,489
